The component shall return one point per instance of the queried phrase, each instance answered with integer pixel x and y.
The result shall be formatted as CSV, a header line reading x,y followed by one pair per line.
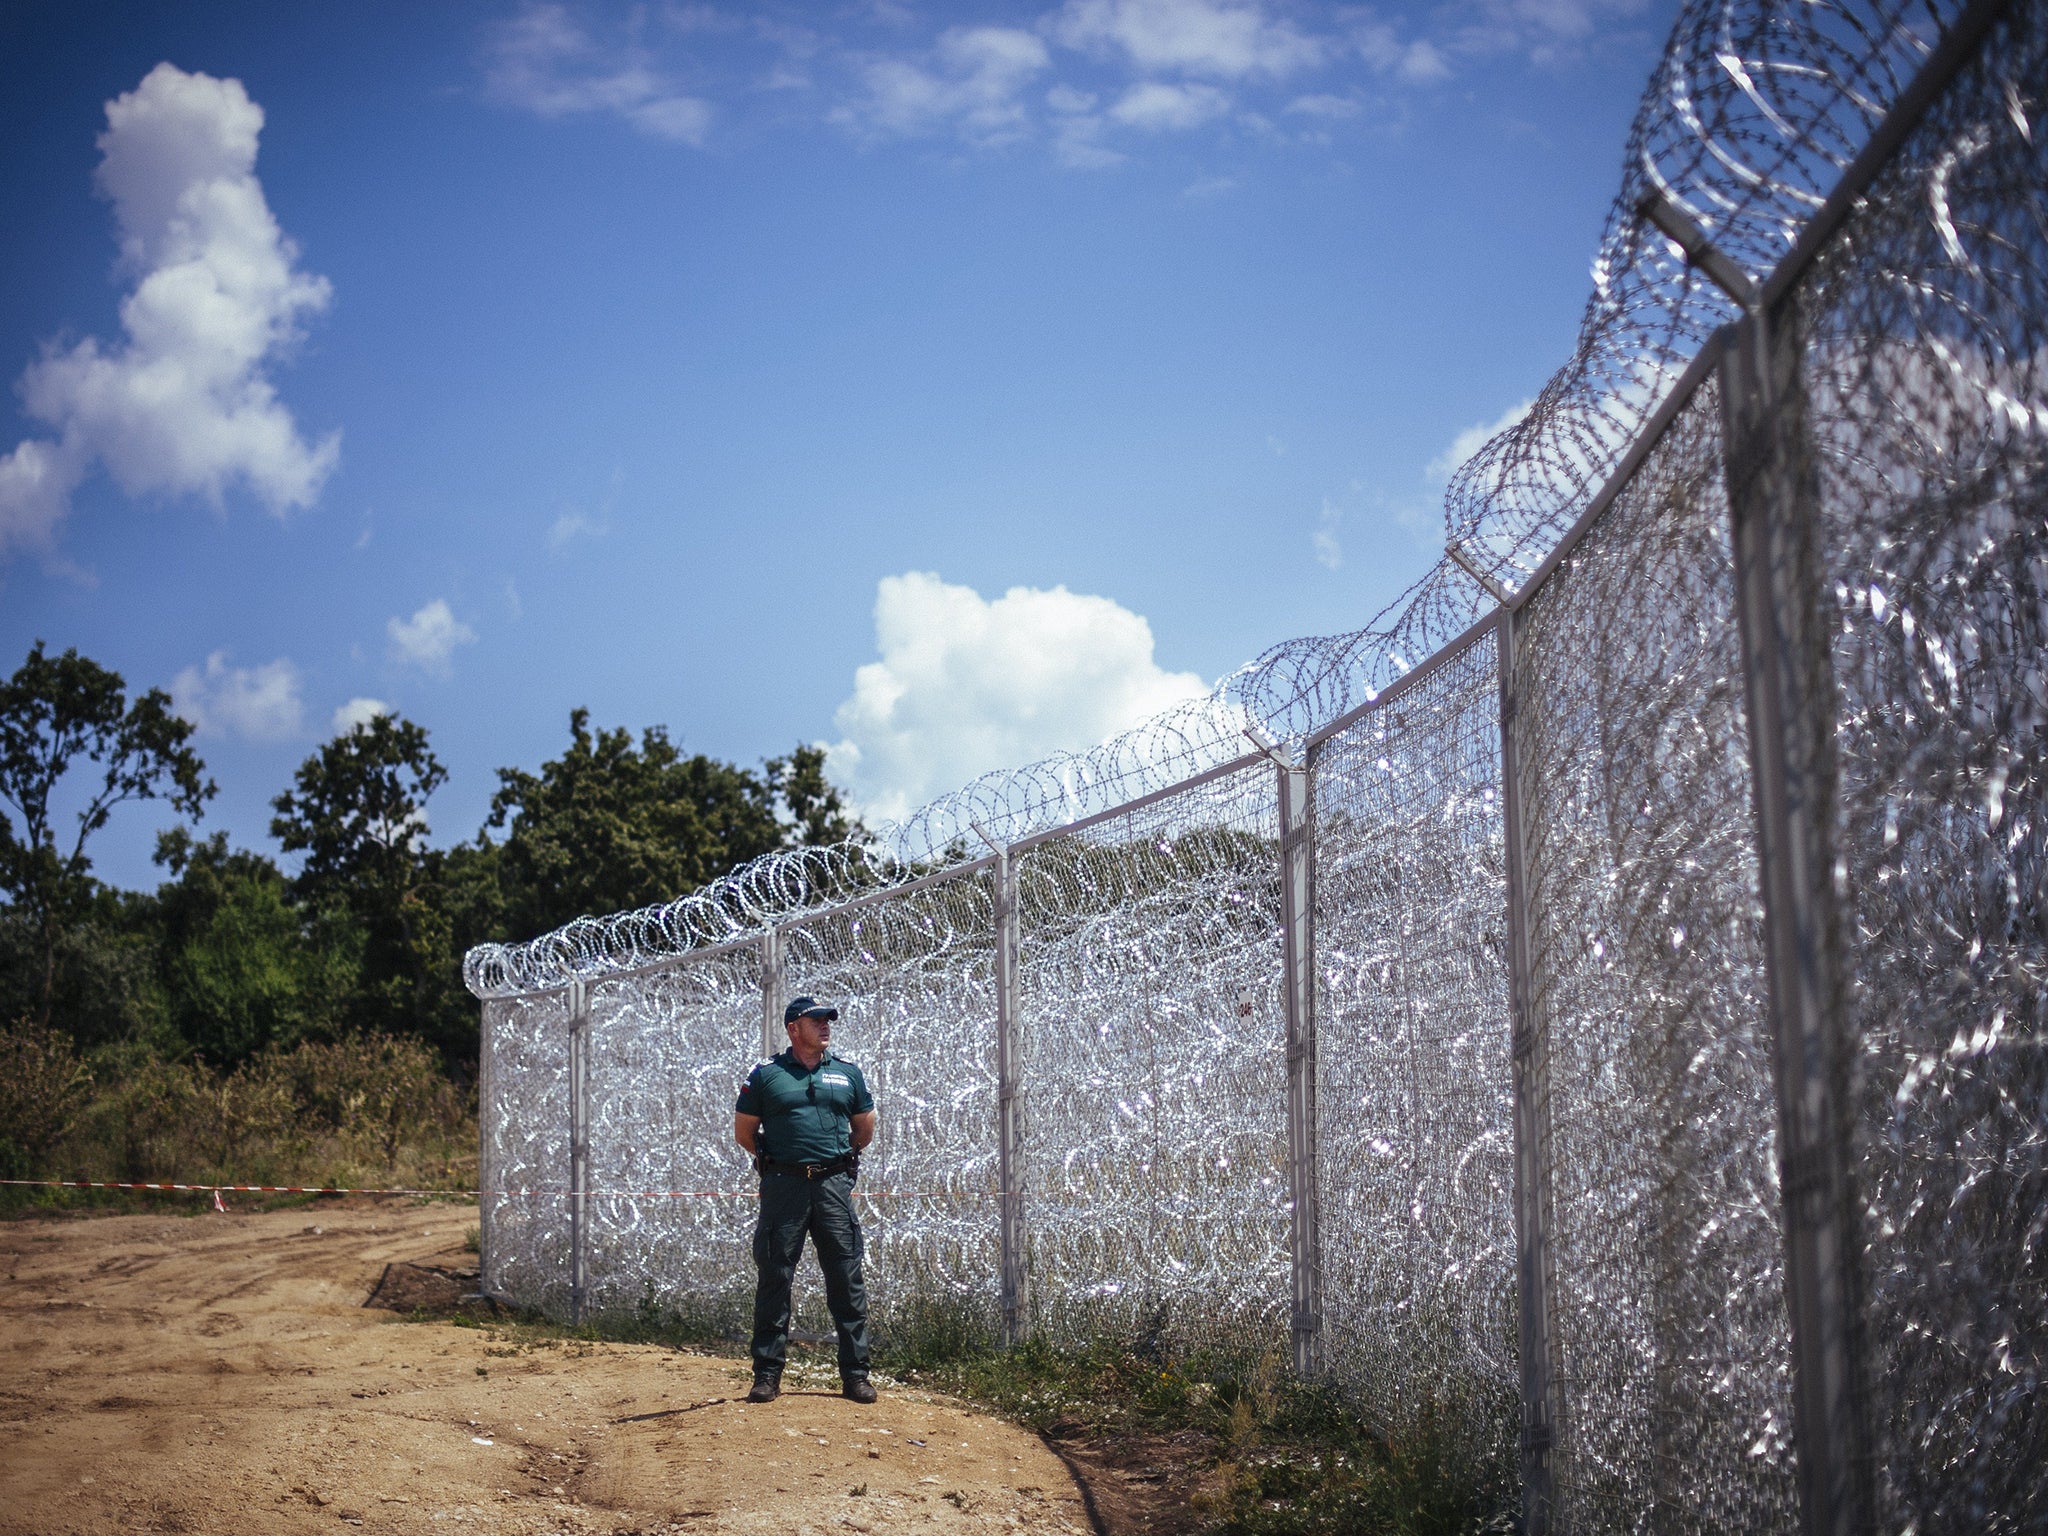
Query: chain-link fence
x,y
1605,1002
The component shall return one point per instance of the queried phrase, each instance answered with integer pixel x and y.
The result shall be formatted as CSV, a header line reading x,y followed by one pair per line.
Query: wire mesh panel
x,y
1413,1093
1156,1181
671,1206
913,979
1647,979
1926,323
523,1160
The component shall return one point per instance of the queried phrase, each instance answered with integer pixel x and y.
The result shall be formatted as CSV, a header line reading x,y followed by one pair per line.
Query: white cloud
x,y
1077,144
974,79
1548,31
258,703
183,404
357,711
1472,439
1564,19
965,685
428,639
1422,62
1158,107
1329,552
1225,39
543,62
1329,108
1418,62
573,525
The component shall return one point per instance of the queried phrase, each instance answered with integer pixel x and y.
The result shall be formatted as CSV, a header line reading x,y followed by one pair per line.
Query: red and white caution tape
x,y
216,1190
249,1189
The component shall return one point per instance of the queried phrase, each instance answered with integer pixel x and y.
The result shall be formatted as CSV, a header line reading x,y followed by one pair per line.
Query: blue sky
x,y
944,383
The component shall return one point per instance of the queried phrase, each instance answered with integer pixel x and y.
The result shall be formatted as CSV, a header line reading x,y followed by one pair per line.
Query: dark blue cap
x,y
799,1006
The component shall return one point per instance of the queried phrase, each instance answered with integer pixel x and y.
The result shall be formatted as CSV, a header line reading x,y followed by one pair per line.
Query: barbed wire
x,y
1754,108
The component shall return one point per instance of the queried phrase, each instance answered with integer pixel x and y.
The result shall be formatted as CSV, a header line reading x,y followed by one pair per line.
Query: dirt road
x,y
221,1374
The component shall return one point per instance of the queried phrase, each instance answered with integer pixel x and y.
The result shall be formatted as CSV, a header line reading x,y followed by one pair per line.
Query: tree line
x,y
233,956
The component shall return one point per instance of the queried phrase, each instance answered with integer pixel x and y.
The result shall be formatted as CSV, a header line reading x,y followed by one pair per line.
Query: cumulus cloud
x,y
183,405
357,711
1472,439
1159,108
965,685
428,639
974,78
543,62
1223,39
256,703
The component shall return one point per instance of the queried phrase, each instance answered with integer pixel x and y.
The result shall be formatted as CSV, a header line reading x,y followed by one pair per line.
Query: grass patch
x,y
1279,1456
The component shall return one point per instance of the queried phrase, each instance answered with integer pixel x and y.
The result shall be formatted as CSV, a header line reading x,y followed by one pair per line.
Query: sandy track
x,y
221,1374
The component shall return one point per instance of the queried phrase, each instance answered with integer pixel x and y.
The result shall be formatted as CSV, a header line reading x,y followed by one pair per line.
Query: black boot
x,y
859,1388
767,1387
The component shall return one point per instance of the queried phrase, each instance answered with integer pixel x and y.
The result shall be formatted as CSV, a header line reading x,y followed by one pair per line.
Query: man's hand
x,y
746,1130
862,1130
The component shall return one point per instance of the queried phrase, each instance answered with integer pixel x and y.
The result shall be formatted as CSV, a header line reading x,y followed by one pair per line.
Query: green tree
x,y
358,813
57,712
817,814
103,983
610,825
243,965
463,886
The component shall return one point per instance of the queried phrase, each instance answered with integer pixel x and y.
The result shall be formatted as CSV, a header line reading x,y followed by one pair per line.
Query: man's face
x,y
808,1032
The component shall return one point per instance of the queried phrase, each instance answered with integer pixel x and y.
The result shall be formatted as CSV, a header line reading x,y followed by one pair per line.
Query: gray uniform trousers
x,y
792,1206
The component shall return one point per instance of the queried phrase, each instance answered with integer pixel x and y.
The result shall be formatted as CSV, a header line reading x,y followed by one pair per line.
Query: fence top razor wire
x,y
1753,111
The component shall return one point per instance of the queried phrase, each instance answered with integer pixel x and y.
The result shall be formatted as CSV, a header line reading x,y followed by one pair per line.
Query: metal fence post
x,y
772,1031
1298,993
1530,1054
1773,496
486,1171
579,1140
1016,1300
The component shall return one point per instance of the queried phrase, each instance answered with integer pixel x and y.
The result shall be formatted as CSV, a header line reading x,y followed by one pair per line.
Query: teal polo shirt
x,y
806,1113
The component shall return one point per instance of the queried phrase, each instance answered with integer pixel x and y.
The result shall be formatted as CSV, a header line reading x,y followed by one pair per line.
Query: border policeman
x,y
804,1116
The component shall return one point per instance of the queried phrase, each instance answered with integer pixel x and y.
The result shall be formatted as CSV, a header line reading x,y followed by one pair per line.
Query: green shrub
x,y
44,1086
361,1110
377,1092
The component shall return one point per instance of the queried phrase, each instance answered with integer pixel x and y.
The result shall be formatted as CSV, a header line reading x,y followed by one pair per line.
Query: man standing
x,y
803,1116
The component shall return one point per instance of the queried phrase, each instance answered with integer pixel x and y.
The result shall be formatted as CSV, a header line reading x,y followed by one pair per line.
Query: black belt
x,y
811,1170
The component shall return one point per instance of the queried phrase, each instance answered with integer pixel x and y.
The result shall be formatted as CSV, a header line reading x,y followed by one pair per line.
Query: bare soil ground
x,y
223,1374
